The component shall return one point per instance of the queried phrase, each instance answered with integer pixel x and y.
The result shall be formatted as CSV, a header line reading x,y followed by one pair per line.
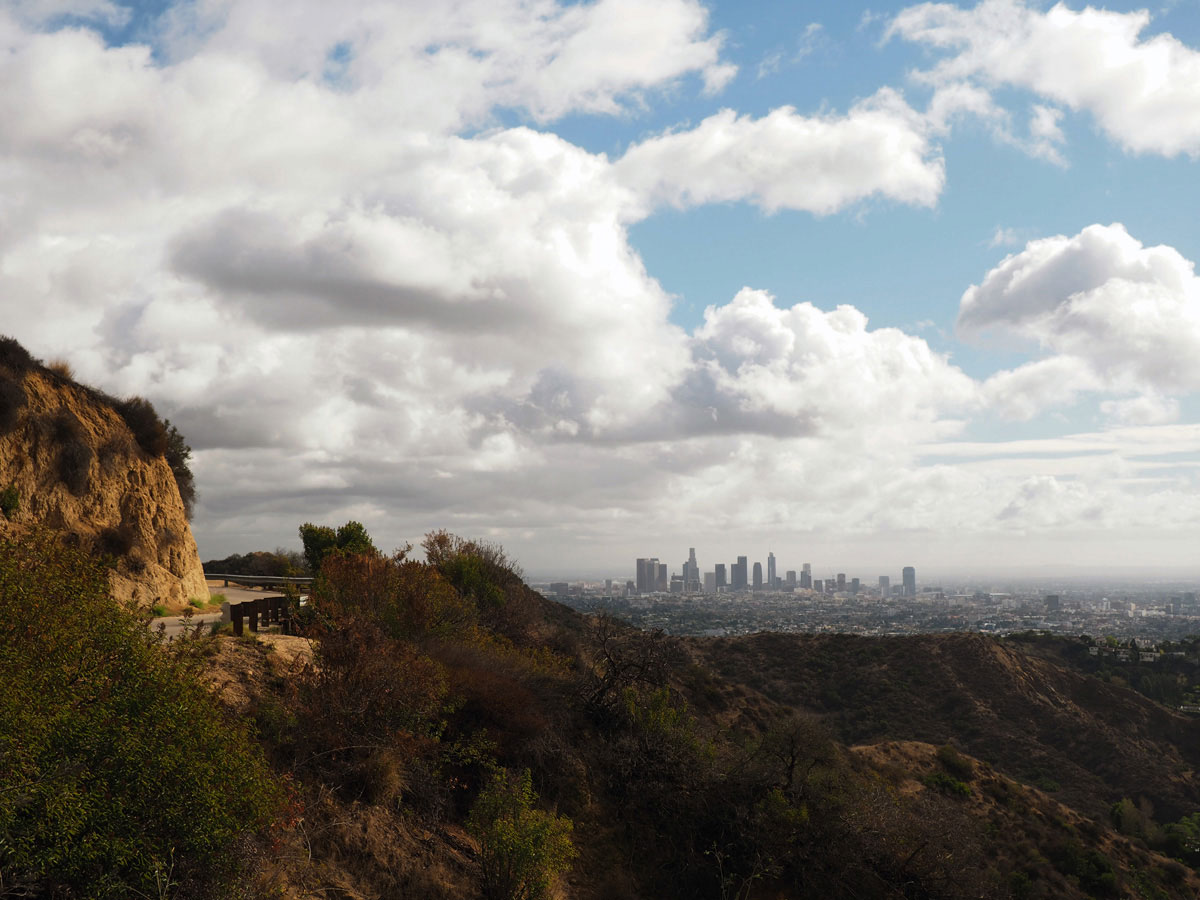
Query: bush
x,y
10,501
12,401
521,848
940,781
75,454
91,716
178,454
321,541
148,430
14,357
115,542
482,573
955,763
61,368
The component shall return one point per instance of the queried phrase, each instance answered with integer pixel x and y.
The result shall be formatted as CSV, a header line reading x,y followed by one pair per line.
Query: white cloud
x,y
469,57
1112,314
788,161
356,304
1144,93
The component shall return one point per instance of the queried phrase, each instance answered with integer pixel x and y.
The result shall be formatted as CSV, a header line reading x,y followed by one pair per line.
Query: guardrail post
x,y
253,604
235,616
285,616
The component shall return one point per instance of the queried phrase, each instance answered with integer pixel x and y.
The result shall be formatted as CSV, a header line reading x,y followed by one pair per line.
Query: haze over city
x,y
869,287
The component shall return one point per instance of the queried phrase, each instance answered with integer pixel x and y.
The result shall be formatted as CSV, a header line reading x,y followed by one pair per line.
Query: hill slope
x,y
72,463
1033,719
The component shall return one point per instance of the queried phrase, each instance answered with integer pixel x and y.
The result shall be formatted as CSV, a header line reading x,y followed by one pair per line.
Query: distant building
x,y
1053,603
676,584
770,568
885,585
841,582
663,576
720,574
739,574
910,581
561,588
806,581
790,579
710,582
645,579
691,572
855,585
758,582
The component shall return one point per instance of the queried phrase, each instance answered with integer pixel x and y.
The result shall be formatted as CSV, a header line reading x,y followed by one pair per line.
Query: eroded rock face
x,y
78,470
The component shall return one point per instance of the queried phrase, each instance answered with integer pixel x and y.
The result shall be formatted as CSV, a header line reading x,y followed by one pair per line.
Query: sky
x,y
864,286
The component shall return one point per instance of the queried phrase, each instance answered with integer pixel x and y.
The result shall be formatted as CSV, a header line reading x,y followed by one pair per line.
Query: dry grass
x,y
61,368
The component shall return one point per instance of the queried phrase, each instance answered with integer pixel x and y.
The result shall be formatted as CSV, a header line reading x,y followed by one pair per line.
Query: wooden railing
x,y
262,611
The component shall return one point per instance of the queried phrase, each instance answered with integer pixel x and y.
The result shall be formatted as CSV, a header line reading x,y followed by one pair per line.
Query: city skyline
x,y
899,283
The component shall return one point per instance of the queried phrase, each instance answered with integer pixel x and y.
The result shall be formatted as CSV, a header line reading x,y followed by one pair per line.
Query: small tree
x,y
521,848
321,540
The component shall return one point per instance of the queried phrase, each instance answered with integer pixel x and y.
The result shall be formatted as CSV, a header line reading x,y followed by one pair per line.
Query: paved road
x,y
174,624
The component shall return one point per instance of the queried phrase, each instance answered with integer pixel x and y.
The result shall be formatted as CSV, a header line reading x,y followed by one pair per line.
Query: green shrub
x,y
10,501
15,358
143,421
955,763
178,454
12,401
321,541
115,542
75,454
940,781
92,714
158,610
521,848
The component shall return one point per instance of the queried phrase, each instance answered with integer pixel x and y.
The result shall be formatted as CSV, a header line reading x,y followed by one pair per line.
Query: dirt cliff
x,y
70,461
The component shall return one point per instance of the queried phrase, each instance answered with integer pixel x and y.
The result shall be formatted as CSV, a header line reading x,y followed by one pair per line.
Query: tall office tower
x,y
758,576
818,586
806,577
807,567
885,585
710,582
691,572
644,581
719,572
739,574
841,581
607,587
855,584
791,577
770,569
629,588
664,577
910,581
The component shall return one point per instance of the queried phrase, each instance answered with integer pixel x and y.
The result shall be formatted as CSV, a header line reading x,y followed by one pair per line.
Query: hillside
x,y
765,766
441,731
94,470
1039,722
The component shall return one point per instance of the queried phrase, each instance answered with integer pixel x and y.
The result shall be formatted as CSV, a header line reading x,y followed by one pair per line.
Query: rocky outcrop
x,y
71,463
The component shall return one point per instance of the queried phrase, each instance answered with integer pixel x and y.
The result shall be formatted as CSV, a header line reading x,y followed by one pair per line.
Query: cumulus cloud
x,y
1110,313
788,161
1144,93
362,300
825,368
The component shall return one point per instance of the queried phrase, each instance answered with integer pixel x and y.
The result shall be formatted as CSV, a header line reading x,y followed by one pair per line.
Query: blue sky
x,y
860,284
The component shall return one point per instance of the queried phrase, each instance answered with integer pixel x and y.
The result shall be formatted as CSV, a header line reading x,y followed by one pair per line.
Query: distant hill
x,y
1036,720
104,473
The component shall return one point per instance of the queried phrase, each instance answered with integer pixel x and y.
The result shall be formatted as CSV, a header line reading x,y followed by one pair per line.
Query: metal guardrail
x,y
259,580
